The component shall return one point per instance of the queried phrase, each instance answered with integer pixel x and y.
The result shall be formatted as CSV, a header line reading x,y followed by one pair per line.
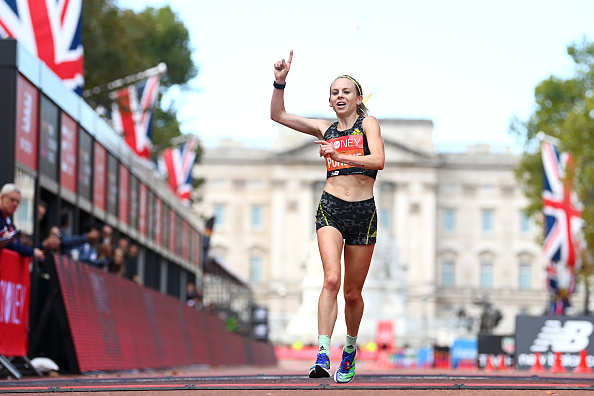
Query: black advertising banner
x,y
142,208
85,167
48,139
124,193
112,184
158,226
166,226
99,175
495,347
133,202
546,336
151,215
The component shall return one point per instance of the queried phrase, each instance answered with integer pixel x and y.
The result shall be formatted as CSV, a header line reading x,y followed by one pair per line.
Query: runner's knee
x,y
332,283
353,298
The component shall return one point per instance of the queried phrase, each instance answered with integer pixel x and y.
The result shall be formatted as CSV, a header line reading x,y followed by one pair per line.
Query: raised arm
x,y
277,105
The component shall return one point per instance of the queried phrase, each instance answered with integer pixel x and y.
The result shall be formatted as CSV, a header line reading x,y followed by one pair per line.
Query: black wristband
x,y
279,86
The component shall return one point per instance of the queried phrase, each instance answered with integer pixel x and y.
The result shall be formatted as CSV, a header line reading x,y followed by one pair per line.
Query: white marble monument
x,y
384,294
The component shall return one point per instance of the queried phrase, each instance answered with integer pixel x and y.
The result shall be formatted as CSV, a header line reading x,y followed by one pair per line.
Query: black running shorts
x,y
356,221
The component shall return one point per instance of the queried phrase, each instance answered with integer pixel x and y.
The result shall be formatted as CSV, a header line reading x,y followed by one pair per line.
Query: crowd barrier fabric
x,y
116,324
15,283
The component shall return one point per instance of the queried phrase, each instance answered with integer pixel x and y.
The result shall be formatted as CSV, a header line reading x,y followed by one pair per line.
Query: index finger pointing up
x,y
290,57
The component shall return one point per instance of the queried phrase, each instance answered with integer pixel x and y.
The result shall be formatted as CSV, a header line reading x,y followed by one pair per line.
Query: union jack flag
x,y
177,164
132,114
51,30
562,209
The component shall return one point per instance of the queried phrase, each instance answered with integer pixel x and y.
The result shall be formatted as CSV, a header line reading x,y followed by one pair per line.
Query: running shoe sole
x,y
318,371
342,382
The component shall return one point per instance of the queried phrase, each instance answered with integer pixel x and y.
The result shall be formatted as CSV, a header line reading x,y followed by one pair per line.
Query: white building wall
x,y
417,185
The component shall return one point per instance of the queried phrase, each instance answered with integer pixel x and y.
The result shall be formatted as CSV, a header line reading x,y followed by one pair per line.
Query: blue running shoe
x,y
322,367
346,371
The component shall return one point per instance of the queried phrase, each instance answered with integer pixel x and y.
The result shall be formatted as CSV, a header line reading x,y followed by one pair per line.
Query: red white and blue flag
x,y
561,208
177,164
51,30
132,114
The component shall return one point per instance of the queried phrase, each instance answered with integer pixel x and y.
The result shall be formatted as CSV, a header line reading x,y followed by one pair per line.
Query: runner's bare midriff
x,y
350,187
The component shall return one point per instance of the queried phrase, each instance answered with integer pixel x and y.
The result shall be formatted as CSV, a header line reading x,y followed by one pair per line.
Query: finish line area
x,y
248,382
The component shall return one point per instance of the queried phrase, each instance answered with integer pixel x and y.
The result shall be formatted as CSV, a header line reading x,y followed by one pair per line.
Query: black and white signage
x,y
48,147
544,336
495,347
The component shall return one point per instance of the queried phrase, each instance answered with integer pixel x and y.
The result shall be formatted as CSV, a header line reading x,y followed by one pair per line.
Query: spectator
x,y
71,241
133,252
123,244
105,255
105,248
117,264
132,262
53,240
86,252
106,234
10,197
41,210
42,220
27,239
193,296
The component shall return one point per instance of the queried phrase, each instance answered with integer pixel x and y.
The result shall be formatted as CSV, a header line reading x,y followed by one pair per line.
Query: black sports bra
x,y
352,142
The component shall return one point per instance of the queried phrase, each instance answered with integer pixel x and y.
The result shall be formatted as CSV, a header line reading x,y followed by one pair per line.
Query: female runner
x,y
346,220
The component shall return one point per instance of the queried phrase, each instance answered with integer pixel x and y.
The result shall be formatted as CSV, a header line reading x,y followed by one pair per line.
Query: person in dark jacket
x,y
70,241
10,197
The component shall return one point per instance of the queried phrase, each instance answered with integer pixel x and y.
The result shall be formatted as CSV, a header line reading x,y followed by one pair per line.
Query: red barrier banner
x,y
15,283
27,123
115,324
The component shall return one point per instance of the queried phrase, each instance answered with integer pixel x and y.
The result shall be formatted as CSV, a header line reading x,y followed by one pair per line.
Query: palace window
x,y
448,273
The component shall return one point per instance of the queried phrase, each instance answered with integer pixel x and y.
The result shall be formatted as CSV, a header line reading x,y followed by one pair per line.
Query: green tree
x,y
565,110
119,43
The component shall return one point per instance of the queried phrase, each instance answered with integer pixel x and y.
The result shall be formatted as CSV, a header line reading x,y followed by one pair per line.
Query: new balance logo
x,y
573,336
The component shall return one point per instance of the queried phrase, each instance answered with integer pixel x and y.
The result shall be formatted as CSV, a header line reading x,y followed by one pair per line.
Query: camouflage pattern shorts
x,y
356,221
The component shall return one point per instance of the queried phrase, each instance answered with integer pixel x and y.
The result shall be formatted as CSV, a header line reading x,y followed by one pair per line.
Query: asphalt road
x,y
286,379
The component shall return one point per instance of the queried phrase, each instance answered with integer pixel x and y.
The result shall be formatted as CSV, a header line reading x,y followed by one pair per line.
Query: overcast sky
x,y
467,65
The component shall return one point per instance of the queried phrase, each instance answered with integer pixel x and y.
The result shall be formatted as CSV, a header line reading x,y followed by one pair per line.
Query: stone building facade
x,y
452,234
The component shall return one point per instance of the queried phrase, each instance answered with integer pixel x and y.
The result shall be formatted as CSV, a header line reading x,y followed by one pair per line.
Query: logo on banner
x,y
68,150
27,118
508,345
12,299
350,145
573,336
27,112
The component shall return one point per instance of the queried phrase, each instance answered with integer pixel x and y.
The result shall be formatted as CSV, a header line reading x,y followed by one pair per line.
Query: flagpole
x,y
183,138
543,137
158,70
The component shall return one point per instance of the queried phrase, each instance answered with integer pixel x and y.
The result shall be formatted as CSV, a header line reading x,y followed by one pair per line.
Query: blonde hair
x,y
362,110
